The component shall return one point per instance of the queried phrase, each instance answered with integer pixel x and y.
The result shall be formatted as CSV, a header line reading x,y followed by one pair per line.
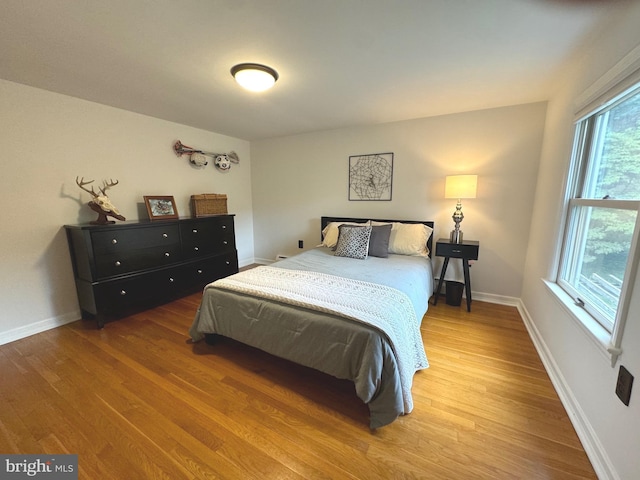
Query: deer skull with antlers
x,y
101,204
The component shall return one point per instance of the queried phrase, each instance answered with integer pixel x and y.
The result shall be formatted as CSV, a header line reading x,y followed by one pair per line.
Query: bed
x,y
353,316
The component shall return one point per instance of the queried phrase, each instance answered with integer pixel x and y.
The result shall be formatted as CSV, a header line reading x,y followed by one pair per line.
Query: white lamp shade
x,y
254,77
460,186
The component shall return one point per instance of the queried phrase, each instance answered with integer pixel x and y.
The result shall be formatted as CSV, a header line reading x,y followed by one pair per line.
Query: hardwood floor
x,y
137,400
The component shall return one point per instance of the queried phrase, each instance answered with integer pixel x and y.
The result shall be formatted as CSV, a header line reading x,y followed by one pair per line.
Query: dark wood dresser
x,y
125,267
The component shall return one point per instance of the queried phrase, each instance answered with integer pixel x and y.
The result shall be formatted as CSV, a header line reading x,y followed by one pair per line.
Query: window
x,y
598,257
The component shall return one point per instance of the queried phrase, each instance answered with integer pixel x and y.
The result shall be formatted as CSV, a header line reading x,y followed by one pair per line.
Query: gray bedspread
x,y
330,343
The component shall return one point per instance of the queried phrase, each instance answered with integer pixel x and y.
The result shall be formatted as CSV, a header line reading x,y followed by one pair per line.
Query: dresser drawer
x,y
119,295
120,240
207,236
133,260
203,272
468,251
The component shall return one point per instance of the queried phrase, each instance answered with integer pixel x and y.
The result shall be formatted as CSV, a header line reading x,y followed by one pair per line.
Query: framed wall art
x,y
370,176
161,207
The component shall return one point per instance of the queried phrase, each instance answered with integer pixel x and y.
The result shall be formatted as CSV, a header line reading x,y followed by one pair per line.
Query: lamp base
x,y
455,236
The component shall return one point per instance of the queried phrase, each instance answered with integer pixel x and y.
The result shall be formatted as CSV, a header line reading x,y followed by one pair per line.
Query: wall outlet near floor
x,y
300,244
623,387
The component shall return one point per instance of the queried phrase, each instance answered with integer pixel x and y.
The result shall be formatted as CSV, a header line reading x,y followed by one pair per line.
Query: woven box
x,y
208,204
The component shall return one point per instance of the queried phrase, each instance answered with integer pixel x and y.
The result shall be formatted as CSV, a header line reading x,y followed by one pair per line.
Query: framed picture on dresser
x,y
161,207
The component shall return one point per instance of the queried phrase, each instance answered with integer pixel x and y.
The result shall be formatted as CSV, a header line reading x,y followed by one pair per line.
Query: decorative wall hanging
x,y
101,204
370,176
222,161
161,207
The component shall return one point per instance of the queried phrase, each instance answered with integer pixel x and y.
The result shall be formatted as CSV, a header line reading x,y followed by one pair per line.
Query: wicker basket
x,y
208,204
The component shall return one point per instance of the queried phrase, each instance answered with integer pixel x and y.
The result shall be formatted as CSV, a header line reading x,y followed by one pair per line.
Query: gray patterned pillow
x,y
353,241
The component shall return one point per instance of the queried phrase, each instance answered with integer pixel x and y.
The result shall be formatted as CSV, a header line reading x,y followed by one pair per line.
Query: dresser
x,y
129,266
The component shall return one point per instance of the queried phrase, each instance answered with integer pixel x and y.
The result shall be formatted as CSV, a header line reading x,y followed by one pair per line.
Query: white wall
x,y
300,178
609,429
47,140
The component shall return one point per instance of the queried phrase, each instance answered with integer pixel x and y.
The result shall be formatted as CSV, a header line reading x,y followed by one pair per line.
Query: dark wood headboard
x,y
324,221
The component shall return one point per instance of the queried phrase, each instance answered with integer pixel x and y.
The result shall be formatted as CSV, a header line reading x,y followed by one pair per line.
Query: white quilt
x,y
385,308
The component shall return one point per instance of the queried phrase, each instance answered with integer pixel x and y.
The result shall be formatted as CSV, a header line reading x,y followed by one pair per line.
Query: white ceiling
x,y
341,62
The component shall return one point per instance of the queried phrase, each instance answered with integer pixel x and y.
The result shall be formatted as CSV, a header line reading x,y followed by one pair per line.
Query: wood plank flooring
x,y
138,400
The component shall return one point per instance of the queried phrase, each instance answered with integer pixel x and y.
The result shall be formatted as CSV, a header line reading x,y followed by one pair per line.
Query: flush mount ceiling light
x,y
254,77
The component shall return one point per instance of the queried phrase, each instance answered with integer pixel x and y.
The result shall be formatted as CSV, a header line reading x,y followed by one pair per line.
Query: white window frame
x,y
586,141
615,85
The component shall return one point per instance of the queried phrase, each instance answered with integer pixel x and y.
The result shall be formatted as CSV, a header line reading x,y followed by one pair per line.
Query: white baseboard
x,y
590,442
243,262
37,327
499,299
264,261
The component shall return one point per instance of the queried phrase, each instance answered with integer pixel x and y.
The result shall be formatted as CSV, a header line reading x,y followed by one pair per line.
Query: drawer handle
x,y
114,241
195,230
225,242
164,235
117,264
167,254
456,251
170,279
123,292
228,262
224,227
196,248
199,271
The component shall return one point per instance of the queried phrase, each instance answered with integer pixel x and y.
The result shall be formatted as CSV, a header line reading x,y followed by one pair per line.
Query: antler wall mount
x,y
101,204
222,161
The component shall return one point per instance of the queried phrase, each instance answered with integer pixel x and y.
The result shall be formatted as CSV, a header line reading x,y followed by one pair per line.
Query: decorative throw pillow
x,y
409,239
330,233
353,241
379,241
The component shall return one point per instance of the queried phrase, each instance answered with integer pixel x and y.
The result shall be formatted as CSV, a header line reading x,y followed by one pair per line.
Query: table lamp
x,y
459,187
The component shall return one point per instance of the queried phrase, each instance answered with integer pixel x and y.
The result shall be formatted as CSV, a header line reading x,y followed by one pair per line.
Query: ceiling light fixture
x,y
254,77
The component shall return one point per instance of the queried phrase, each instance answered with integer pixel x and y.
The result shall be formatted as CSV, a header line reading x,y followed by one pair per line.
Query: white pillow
x,y
408,238
330,233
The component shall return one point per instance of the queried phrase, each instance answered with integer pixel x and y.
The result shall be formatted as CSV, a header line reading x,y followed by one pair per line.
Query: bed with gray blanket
x,y
327,308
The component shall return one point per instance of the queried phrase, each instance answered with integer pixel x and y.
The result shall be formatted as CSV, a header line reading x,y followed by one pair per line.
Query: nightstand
x,y
467,250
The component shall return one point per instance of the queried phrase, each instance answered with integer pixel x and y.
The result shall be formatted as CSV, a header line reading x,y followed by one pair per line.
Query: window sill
x,y
595,332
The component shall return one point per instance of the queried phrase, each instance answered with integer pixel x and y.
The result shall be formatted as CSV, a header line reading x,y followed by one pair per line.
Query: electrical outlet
x,y
300,244
623,387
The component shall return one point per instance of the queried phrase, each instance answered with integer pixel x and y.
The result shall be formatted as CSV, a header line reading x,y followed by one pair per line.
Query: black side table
x,y
467,250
